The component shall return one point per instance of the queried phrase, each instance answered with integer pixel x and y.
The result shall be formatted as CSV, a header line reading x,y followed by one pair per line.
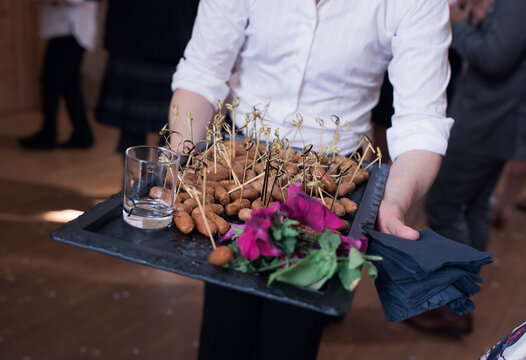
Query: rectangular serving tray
x,y
103,230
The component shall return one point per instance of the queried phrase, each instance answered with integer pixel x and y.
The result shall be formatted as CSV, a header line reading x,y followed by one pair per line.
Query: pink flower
x,y
309,211
230,233
348,242
255,239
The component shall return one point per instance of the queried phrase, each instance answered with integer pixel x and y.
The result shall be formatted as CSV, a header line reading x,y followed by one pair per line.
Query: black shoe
x,y
77,143
444,321
38,141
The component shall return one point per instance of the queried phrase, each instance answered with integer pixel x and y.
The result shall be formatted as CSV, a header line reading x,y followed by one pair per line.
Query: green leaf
x,y
310,272
289,244
355,258
371,269
290,222
276,234
350,277
238,231
290,232
329,241
317,285
372,257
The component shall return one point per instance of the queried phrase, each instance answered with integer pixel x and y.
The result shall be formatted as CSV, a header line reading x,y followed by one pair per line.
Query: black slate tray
x,y
103,230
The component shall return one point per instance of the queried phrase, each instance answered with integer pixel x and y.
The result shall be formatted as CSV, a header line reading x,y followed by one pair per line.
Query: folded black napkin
x,y
416,276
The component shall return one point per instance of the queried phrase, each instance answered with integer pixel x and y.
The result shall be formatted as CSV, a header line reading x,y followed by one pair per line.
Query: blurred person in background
x,y
145,40
489,108
70,27
514,180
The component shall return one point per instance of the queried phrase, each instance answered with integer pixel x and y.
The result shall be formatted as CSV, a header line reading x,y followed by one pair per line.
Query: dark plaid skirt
x,y
135,95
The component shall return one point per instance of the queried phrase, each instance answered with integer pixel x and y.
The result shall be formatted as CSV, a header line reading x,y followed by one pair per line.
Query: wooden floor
x,y
61,302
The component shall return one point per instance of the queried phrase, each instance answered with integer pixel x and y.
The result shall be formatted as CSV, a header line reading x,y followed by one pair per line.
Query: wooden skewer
x,y
205,219
248,182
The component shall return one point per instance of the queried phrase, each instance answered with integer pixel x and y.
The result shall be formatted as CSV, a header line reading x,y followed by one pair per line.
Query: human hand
x,y
480,10
410,177
459,12
391,220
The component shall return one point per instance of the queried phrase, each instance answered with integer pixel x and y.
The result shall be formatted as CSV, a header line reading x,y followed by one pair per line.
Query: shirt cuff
x,y
429,134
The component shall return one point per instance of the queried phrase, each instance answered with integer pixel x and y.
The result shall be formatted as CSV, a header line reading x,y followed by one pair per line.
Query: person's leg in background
x,y
478,211
128,138
52,81
457,207
82,136
514,180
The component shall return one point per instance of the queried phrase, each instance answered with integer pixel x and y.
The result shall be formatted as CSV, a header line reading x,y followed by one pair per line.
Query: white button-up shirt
x,y
77,18
326,59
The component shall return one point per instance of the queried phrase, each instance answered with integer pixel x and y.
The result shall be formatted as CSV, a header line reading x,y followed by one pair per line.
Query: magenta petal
x,y
266,212
331,220
268,248
294,189
247,245
364,242
255,239
348,242
309,211
230,233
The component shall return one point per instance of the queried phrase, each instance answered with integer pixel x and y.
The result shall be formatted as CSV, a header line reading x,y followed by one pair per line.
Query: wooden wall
x,y
21,52
20,56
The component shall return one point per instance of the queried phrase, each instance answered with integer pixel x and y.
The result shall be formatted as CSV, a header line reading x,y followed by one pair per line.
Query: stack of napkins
x,y
421,275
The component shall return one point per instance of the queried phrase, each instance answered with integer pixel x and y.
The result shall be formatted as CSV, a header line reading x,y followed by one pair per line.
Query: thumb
x,y
398,228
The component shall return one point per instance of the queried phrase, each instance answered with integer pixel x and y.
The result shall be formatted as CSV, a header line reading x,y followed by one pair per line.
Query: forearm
x,y
188,102
410,177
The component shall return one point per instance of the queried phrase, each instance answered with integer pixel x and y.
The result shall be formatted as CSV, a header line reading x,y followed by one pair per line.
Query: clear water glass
x,y
150,174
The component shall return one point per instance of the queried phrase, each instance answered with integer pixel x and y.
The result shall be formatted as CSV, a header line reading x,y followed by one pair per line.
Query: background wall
x,y
21,52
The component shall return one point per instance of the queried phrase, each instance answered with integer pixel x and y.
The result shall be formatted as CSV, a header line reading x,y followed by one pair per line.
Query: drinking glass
x,y
149,186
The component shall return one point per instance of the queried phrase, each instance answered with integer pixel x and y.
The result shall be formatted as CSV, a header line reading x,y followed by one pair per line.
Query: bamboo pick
x,y
266,177
297,124
248,146
204,185
276,177
320,122
205,219
248,182
360,163
362,140
336,120
321,196
225,157
233,138
256,154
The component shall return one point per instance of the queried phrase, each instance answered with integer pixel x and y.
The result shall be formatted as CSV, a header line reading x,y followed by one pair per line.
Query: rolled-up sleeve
x,y
218,34
419,72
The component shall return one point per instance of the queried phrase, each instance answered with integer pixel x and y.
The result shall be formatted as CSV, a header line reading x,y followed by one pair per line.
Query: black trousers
x,y
61,77
239,326
457,204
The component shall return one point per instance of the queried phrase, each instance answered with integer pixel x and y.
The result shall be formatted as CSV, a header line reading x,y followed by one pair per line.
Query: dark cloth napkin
x,y
416,276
